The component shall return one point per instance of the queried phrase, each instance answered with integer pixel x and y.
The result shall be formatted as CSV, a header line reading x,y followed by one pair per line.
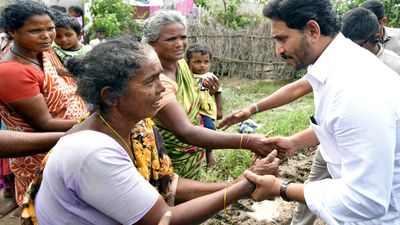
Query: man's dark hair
x,y
197,48
360,24
100,29
67,21
376,7
296,14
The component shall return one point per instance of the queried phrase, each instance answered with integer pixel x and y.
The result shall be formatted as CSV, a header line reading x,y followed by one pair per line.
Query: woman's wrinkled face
x,y
172,43
37,34
142,97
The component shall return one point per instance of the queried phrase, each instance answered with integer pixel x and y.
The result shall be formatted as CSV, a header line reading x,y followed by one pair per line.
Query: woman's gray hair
x,y
110,64
158,21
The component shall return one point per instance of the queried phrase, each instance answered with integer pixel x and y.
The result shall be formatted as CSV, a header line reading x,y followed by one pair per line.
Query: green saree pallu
x,y
186,159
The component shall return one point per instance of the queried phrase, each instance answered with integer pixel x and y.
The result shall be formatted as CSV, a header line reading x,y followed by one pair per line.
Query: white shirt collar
x,y
325,64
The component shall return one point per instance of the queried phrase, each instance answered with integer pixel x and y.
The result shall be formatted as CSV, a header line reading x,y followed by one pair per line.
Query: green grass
x,y
285,120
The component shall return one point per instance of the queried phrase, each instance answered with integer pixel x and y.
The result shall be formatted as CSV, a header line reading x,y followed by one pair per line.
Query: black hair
x,y
197,48
376,7
100,29
58,8
360,24
14,15
67,21
110,64
296,14
77,9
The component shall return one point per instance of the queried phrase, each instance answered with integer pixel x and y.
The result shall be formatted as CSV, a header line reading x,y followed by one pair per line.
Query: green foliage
x,y
285,120
343,6
227,14
392,12
115,16
203,3
392,9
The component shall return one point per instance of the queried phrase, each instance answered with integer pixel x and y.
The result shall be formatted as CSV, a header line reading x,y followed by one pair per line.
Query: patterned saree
x,y
186,159
62,101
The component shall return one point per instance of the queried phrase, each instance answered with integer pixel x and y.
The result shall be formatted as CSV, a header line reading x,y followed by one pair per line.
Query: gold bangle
x,y
225,190
241,140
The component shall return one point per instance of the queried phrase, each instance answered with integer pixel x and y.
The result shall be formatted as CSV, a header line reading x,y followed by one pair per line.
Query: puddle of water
x,y
265,210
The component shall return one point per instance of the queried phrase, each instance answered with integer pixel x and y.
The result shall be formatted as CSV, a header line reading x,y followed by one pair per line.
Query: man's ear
x,y
383,21
108,96
313,29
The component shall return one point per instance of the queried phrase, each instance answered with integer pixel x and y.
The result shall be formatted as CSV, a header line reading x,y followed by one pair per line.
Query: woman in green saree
x,y
178,118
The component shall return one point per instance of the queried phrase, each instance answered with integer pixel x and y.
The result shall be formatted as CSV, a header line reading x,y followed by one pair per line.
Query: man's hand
x,y
284,146
267,166
235,117
265,186
258,144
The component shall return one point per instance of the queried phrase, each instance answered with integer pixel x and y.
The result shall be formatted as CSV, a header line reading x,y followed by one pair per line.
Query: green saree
x,y
186,159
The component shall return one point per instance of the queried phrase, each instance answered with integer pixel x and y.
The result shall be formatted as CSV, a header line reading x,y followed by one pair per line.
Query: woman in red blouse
x,y
32,95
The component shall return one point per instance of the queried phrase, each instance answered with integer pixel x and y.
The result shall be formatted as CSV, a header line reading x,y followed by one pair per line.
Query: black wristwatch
x,y
282,190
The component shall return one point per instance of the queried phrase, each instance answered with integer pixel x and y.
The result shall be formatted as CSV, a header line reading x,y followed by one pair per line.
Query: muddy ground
x,y
247,212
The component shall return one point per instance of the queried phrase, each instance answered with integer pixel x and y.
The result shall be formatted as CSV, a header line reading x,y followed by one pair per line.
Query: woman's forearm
x,y
16,144
57,125
200,209
190,189
175,120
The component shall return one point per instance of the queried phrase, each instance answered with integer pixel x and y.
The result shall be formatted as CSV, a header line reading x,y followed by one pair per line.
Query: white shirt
x,y
392,39
96,41
390,58
357,102
90,179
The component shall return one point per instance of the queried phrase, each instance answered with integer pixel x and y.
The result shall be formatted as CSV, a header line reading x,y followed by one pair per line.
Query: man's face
x,y
292,45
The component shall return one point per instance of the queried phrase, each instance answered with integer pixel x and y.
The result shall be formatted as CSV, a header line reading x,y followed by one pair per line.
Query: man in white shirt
x,y
362,26
357,119
390,37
